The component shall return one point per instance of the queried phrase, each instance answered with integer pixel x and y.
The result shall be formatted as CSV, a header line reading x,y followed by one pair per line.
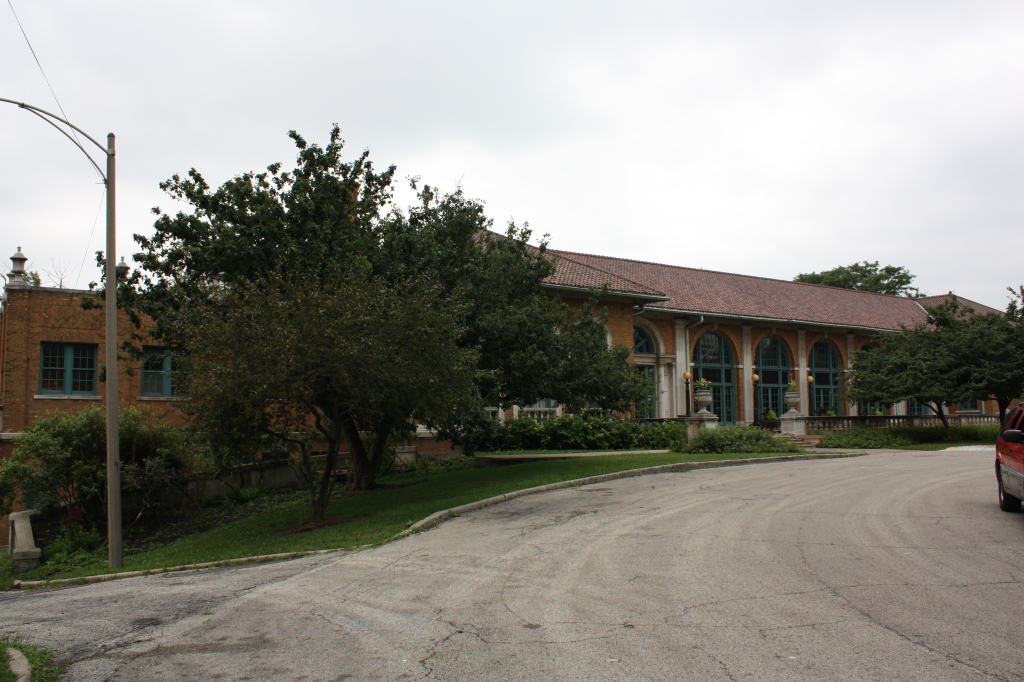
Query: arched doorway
x,y
773,368
713,360
827,373
643,344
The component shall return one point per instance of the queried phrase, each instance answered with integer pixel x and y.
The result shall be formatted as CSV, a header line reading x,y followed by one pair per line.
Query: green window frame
x,y
917,409
713,360
828,377
159,372
67,369
642,341
773,369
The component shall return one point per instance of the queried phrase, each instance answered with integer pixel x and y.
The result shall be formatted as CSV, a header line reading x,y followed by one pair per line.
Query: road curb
x,y
104,577
440,517
443,515
19,665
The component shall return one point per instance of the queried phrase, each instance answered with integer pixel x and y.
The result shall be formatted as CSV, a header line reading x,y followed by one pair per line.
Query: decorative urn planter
x,y
792,400
702,399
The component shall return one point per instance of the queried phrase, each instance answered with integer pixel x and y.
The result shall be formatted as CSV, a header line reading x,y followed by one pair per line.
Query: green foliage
x,y
703,384
6,569
73,548
354,314
770,416
865,438
60,463
33,279
954,357
577,432
865,276
739,438
902,436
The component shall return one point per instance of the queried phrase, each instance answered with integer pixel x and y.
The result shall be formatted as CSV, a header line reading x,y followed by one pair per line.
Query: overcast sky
x,y
765,138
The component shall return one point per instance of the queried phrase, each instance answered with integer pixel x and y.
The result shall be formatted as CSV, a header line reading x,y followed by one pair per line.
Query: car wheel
x,y
1007,502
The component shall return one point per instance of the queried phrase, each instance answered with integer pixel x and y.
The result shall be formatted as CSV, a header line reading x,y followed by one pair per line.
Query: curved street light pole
x,y
114,545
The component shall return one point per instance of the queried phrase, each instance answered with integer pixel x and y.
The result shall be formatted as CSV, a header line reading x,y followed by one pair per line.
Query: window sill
x,y
58,396
160,398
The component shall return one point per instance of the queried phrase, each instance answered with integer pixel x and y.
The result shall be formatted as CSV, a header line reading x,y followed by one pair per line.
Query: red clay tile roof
x,y
572,273
978,307
723,293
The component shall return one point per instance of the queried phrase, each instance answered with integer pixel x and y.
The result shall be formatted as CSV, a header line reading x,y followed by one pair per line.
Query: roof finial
x,y
16,277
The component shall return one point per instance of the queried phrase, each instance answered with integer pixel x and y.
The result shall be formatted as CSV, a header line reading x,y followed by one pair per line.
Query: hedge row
x,y
738,438
902,436
577,432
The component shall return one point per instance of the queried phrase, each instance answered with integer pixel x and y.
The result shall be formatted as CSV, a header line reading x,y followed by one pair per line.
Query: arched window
x,y
827,375
773,368
713,361
642,341
872,408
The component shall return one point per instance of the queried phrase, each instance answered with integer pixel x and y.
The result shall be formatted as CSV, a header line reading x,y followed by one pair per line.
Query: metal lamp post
x,y
114,546
686,378
757,413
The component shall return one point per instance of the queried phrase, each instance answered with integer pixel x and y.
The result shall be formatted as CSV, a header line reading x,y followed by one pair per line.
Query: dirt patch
x,y
312,525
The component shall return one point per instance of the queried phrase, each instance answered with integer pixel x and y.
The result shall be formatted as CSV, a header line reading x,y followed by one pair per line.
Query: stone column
x,y
801,370
748,371
678,385
854,405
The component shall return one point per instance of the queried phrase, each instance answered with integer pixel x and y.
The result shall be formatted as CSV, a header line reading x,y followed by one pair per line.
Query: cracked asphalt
x,y
892,566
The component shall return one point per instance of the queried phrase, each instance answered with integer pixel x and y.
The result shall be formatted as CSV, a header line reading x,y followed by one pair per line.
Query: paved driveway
x,y
883,567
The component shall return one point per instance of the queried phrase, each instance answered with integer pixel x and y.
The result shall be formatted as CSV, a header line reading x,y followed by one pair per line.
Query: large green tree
x,y
927,363
955,356
332,223
865,276
338,362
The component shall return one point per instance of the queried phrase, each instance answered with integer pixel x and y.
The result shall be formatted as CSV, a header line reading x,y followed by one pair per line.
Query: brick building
x,y
728,328
720,326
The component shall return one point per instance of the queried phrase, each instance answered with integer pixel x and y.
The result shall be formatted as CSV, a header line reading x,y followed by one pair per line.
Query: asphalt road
x,y
883,567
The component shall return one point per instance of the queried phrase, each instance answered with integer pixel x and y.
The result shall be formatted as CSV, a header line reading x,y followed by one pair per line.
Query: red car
x,y
1010,462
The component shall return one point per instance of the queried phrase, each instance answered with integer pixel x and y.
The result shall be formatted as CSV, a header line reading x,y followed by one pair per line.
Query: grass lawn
x,y
940,446
539,452
376,515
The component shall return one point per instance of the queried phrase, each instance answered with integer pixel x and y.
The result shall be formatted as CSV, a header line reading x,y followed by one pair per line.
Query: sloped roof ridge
x,y
734,274
610,274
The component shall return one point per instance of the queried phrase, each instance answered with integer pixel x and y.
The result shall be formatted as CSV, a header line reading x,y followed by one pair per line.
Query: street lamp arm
x,y
65,134
37,111
115,547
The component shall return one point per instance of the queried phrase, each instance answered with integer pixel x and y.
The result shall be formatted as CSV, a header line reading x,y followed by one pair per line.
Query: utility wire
x,y
89,243
34,56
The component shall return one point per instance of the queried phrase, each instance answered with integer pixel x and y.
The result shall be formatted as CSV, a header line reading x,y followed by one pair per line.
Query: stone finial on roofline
x,y
16,277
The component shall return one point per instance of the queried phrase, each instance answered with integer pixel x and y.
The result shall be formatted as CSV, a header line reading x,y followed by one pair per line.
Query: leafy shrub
x,y
60,464
865,438
902,436
75,547
739,438
577,432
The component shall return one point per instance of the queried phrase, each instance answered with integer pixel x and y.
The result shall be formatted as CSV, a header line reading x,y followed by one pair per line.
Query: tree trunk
x,y
360,459
1004,405
322,496
937,406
